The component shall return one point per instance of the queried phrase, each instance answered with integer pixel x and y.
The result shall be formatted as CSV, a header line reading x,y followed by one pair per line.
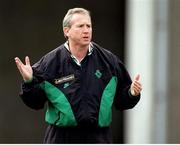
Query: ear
x,y
66,31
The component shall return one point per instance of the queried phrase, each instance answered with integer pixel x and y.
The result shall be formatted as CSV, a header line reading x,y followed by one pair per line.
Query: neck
x,y
78,51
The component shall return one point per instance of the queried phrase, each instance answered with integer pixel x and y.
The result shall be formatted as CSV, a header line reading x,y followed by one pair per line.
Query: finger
x,y
20,69
135,88
137,84
136,91
19,64
137,77
18,61
27,61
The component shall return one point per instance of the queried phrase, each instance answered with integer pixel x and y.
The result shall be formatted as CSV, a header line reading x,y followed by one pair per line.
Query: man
x,y
80,81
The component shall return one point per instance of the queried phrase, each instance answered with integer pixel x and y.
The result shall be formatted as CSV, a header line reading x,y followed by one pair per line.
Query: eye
x,y
89,26
80,26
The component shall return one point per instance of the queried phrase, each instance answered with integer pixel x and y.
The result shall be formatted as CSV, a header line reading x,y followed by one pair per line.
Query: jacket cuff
x,y
133,97
31,82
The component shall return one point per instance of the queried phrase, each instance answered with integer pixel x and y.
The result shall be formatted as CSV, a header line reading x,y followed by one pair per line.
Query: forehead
x,y
80,18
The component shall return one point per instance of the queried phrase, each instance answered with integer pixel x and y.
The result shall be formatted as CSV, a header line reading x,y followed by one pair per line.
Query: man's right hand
x,y
24,69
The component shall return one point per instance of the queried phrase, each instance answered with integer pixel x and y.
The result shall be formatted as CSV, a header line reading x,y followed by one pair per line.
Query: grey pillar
x,y
147,46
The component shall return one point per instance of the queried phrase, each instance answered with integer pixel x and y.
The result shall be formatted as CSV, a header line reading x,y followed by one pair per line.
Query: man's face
x,y
80,32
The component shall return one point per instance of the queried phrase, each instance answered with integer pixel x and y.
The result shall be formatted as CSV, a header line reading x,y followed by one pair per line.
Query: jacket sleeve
x,y
123,99
31,93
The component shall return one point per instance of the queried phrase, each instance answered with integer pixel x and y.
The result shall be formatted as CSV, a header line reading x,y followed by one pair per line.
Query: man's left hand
x,y
136,86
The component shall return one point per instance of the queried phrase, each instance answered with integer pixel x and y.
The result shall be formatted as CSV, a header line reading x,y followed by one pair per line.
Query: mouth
x,y
86,38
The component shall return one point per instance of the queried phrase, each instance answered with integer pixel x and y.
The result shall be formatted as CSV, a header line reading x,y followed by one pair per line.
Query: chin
x,y
86,43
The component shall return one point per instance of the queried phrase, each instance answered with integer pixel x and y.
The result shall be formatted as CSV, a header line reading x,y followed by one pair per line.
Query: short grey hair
x,y
71,12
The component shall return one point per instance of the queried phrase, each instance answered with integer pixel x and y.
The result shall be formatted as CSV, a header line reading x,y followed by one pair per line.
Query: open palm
x,y
24,69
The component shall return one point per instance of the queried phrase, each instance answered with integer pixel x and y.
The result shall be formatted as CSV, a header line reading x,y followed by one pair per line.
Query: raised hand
x,y
136,86
24,69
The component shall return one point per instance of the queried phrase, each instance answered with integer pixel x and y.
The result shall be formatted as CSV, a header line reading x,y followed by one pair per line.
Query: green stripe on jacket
x,y
59,111
105,112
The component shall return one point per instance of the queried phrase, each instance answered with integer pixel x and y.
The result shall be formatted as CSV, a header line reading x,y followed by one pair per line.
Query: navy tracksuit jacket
x,y
79,97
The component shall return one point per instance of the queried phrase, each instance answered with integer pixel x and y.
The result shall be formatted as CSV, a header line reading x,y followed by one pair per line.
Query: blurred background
x,y
142,33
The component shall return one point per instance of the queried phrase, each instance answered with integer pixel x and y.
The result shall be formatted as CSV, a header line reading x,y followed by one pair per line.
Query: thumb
x,y
137,77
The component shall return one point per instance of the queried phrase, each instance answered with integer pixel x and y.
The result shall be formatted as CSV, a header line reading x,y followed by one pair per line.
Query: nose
x,y
86,29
